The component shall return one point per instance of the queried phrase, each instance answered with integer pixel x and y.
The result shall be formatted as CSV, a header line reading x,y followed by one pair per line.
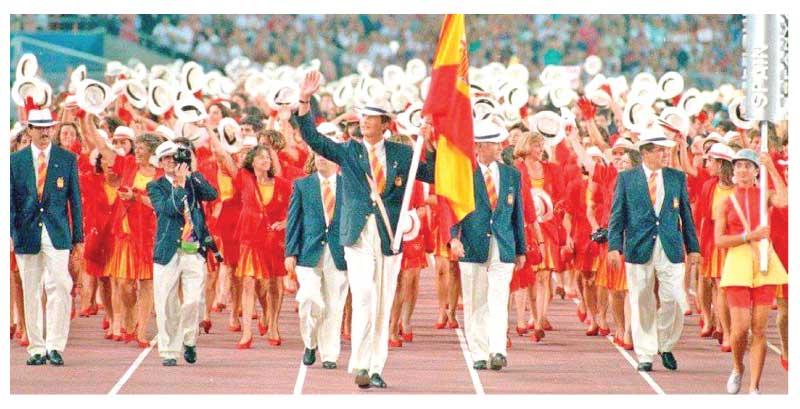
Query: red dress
x,y
224,226
261,247
97,243
207,166
293,168
605,181
414,250
576,204
525,276
552,183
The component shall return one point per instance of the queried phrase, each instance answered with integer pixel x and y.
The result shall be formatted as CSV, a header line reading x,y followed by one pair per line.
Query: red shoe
x,y
785,363
617,341
508,342
581,316
108,335
218,307
687,312
546,326
94,309
604,331
143,344
560,292
246,345
537,335
254,316
702,323
274,342
530,325
86,312
129,337
440,325
116,338
13,330
105,324
452,324
235,327
395,343
592,332
262,330
24,343
205,325
718,336
407,336
627,347
522,331
725,348
707,333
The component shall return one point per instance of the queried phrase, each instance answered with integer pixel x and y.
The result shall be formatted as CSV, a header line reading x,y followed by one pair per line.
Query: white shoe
x,y
755,392
734,383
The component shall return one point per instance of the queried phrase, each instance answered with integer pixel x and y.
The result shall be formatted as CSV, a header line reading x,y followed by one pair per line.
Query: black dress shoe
x,y
376,381
190,354
498,361
329,365
645,367
309,356
669,360
362,378
169,362
480,365
37,359
55,358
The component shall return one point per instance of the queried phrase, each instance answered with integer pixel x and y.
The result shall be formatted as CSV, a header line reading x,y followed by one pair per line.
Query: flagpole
x,y
764,243
403,222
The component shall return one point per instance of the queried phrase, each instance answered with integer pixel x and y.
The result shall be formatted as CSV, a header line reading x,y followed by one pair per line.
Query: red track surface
x,y
565,362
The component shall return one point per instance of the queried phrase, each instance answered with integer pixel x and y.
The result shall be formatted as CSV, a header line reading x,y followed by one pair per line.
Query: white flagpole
x,y
764,243
412,177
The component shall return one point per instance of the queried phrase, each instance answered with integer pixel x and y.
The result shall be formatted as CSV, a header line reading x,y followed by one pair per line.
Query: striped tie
x,y
41,175
652,186
490,189
328,201
187,226
377,169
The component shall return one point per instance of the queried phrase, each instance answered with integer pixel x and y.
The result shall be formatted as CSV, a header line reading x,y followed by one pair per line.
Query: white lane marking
x,y
476,381
301,379
649,379
121,382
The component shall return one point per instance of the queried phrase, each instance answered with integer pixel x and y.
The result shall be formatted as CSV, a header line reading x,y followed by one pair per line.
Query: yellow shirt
x,y
720,194
538,183
266,193
225,186
111,195
140,181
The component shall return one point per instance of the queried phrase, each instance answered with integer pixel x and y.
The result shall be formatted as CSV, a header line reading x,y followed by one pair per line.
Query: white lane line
x,y
476,381
774,348
301,379
121,382
647,378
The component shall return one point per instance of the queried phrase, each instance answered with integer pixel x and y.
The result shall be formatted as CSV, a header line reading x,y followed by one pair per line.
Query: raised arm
x,y
316,141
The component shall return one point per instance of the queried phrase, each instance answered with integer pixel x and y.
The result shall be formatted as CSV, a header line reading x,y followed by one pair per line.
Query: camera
x,y
600,236
211,247
182,155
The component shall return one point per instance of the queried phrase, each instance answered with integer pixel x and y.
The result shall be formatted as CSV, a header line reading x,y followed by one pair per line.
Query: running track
x,y
565,362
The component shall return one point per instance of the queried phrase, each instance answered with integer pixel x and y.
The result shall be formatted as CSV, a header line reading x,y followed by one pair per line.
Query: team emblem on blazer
x,y
674,202
60,182
510,199
398,181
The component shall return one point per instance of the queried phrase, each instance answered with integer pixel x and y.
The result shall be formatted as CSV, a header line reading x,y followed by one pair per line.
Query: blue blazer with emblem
x,y
353,160
306,233
634,225
61,191
506,223
169,203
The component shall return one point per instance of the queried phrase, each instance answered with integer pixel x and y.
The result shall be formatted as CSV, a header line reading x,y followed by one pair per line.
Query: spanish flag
x,y
450,111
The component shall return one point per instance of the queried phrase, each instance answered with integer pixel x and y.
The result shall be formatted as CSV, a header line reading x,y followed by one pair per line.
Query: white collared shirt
x,y
495,173
659,186
380,150
35,151
332,184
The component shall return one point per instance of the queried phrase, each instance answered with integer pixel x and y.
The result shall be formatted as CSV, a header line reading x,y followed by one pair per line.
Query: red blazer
x,y
255,217
141,218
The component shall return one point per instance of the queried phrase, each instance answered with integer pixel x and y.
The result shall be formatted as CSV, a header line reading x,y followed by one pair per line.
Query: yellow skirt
x,y
251,264
122,263
738,269
548,259
712,266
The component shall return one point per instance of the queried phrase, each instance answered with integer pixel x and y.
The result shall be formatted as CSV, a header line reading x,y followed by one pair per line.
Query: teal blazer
x,y
353,160
634,225
306,233
506,223
61,200
169,204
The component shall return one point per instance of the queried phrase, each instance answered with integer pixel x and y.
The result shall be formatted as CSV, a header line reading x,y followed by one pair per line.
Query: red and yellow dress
x,y
261,247
224,226
738,270
133,225
604,181
525,276
584,248
712,197
551,259
293,168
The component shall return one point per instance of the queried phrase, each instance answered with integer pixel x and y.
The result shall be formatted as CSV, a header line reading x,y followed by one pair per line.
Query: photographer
x,y
182,239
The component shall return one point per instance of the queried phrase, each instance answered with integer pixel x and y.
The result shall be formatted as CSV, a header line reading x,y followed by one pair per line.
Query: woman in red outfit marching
x,y
714,194
260,229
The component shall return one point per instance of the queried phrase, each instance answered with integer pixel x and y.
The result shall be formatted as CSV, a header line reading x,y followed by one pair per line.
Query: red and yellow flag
x,y
450,110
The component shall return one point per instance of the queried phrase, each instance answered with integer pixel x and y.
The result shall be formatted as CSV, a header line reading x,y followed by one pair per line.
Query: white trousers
x,y
177,323
655,330
46,269
485,289
373,281
321,297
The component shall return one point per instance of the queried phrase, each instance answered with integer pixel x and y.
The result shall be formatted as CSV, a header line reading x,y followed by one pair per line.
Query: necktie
x,y
377,169
652,186
41,175
187,225
490,189
328,201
